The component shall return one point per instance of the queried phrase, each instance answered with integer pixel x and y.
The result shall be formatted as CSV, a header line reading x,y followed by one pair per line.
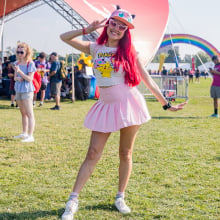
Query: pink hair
x,y
125,56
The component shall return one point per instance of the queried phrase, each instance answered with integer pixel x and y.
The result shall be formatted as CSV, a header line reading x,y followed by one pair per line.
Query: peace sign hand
x,y
95,25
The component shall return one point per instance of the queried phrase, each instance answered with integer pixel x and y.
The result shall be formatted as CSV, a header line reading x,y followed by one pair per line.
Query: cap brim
x,y
130,26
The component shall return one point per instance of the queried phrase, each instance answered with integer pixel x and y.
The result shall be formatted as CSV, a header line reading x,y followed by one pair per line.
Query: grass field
x,y
176,164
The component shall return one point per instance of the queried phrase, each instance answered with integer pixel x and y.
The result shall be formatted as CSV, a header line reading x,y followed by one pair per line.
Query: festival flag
x,y
176,61
193,64
162,59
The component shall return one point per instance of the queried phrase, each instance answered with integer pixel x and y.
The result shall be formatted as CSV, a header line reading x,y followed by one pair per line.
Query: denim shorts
x,y
24,95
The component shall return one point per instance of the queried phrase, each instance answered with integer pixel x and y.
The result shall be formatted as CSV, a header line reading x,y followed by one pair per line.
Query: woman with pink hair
x,y
120,107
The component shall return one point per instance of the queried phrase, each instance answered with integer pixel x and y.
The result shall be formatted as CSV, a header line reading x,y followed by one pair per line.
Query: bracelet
x,y
168,105
84,31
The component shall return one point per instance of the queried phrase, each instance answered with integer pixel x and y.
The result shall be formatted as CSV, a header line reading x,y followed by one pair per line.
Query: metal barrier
x,y
172,87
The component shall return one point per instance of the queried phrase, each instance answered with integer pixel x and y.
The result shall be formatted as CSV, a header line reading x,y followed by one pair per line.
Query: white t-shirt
x,y
104,65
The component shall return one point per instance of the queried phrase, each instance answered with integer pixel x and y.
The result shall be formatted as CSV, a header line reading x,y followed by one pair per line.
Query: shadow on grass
x,y
160,216
107,207
217,158
48,214
112,208
169,117
30,215
8,139
6,107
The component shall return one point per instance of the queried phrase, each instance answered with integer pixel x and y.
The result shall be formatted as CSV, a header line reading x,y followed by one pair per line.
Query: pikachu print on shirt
x,y
105,64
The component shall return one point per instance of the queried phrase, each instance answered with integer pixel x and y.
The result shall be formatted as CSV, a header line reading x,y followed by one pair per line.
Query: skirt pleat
x,y
118,107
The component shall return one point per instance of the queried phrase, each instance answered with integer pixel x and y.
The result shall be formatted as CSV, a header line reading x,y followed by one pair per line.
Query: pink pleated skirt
x,y
118,107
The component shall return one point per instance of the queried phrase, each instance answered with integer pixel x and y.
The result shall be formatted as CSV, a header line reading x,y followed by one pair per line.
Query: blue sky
x,y
41,27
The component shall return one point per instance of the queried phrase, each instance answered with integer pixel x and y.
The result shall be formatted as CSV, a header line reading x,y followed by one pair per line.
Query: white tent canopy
x,y
206,66
168,66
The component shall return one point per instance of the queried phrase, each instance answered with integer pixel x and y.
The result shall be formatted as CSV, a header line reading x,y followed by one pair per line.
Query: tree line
x,y
170,58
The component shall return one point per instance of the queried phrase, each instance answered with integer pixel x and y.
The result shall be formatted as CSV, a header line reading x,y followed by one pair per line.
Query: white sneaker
x,y
121,206
23,135
71,209
28,139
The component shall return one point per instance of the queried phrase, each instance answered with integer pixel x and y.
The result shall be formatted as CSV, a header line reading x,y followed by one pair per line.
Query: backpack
x,y
62,73
37,82
36,79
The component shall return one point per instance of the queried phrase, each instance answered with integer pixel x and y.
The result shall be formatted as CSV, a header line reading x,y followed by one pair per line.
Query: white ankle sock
x,y
120,195
73,196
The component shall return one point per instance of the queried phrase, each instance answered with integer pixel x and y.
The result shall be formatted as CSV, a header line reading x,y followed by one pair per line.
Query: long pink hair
x,y
125,56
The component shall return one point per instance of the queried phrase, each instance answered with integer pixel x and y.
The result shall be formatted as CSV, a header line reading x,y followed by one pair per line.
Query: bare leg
x,y
127,139
97,143
35,97
57,100
28,106
12,98
42,95
23,115
215,103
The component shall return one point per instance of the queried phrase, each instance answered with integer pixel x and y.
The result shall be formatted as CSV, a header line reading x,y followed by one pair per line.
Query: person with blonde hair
x,y
24,71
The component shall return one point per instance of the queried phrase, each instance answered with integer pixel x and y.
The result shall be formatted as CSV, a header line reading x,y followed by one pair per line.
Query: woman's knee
x,y
125,154
93,154
23,113
30,115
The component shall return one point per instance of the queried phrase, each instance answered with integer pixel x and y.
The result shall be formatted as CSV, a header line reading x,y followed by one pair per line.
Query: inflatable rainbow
x,y
190,39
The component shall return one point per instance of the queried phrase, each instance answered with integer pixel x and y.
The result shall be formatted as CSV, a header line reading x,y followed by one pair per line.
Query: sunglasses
x,y
20,52
121,27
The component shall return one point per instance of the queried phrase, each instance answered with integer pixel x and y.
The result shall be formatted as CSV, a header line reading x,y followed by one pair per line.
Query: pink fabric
x,y
193,64
216,77
123,16
118,107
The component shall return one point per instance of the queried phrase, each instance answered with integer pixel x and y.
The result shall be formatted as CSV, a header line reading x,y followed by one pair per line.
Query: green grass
x,y
176,164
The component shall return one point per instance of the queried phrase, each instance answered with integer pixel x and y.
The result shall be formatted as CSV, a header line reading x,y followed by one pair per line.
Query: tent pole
x,y
2,46
2,29
73,87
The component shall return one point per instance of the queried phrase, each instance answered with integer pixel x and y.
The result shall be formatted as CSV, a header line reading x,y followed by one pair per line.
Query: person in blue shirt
x,y
24,69
55,80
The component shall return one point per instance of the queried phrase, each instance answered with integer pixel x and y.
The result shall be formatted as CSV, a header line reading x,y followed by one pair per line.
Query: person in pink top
x,y
215,87
191,73
121,107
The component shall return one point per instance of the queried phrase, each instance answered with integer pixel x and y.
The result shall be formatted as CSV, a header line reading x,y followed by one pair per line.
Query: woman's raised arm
x,y
70,36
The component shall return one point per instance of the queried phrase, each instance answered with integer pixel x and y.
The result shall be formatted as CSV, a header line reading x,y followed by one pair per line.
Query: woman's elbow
x,y
62,37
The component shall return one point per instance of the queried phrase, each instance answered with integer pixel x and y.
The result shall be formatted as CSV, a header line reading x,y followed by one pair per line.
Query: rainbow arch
x,y
190,39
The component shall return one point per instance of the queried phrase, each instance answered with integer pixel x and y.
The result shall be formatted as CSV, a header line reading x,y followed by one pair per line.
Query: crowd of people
x,y
190,73
43,66
47,82
30,79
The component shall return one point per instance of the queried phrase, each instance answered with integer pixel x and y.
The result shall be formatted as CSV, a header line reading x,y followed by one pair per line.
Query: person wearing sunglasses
x,y
121,107
24,69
